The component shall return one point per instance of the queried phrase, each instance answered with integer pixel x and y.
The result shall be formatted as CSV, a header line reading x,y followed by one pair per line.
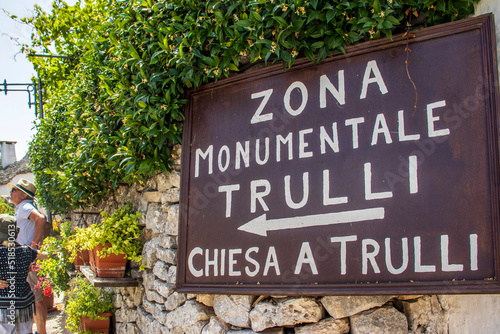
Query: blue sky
x,y
16,118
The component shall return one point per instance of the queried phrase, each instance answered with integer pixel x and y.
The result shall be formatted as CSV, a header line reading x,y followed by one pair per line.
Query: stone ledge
x,y
107,282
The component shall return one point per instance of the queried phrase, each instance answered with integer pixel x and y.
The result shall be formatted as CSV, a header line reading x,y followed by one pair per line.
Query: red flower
x,y
47,291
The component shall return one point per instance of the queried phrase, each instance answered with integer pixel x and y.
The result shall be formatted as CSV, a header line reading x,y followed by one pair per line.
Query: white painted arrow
x,y
261,225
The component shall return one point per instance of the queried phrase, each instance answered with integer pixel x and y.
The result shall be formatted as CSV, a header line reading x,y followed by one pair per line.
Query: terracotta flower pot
x,y
81,259
113,265
97,326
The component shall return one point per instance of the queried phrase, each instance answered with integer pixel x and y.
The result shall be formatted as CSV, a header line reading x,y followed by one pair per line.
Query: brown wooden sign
x,y
373,172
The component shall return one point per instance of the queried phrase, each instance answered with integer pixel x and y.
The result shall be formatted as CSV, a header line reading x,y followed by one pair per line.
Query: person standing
x,y
16,298
33,228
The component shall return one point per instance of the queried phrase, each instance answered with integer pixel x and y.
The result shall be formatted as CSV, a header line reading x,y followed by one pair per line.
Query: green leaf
x,y
441,5
244,23
255,16
317,45
133,52
281,21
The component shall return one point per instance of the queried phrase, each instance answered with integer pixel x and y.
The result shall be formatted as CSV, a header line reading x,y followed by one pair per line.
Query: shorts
x,y
18,328
33,281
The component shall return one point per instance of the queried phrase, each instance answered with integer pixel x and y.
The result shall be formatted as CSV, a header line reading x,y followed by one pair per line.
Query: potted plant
x,y
77,255
88,308
54,269
114,241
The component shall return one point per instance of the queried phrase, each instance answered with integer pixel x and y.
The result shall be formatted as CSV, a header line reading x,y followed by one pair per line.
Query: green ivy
x,y
114,109
5,207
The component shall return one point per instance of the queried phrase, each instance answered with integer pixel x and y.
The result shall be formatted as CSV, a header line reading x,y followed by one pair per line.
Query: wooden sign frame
x,y
374,172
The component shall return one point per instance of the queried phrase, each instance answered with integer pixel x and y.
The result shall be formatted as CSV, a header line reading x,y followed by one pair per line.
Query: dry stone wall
x,y
155,307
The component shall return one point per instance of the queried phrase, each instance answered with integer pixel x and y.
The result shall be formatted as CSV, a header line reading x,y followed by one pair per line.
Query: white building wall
x,y
5,190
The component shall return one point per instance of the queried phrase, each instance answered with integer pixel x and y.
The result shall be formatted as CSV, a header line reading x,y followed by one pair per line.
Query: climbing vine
x,y
114,106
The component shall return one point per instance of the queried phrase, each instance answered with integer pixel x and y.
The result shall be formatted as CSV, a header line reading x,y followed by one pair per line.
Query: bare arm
x,y
40,222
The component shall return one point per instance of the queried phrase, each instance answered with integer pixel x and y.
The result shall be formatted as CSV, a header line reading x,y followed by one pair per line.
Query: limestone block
x,y
130,290
172,224
152,196
129,302
277,330
147,324
148,280
123,194
215,326
344,306
234,310
168,242
175,179
127,328
152,307
325,326
143,320
156,310
156,219
147,234
161,317
170,196
408,297
426,314
163,288
164,182
147,305
142,206
118,300
206,299
174,301
172,275
136,297
167,255
176,153
149,256
126,315
154,296
286,312
380,320
152,183
135,273
160,270
142,219
189,318
121,328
